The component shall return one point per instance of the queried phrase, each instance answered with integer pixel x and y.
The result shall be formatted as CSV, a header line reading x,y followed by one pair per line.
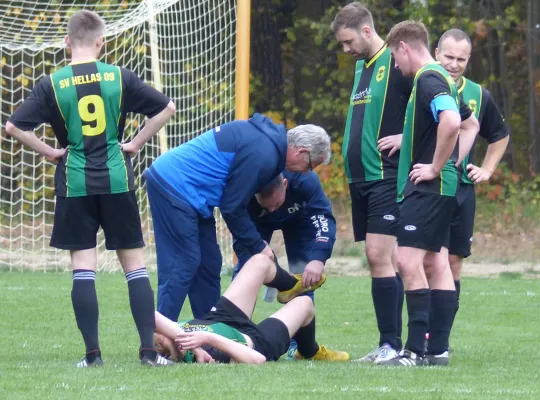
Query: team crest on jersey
x,y
380,73
472,106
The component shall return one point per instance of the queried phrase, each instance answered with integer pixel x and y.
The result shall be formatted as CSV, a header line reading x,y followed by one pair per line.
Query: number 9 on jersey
x,y
92,112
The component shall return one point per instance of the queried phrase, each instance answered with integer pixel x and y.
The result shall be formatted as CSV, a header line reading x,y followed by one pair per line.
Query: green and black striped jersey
x,y
492,126
420,132
86,105
377,109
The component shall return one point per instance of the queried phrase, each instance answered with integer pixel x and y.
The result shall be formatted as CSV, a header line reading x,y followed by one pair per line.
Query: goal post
x,y
186,48
242,59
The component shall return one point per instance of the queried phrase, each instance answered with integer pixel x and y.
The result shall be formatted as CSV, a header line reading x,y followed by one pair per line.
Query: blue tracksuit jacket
x,y
224,168
305,217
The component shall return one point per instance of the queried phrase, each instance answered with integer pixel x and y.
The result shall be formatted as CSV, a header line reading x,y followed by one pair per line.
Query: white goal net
x,y
186,48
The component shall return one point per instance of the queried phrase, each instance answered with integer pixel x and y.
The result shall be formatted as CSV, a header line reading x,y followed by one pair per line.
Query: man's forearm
x,y
244,232
446,142
467,136
466,141
29,139
494,153
238,352
153,125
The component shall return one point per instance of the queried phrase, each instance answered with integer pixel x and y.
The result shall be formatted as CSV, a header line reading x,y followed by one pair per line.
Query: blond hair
x,y
410,32
84,28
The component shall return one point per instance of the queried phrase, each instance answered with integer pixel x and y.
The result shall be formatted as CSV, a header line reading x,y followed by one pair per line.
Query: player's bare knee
x,y
456,263
307,306
405,266
428,266
380,261
84,259
377,255
261,260
258,262
82,264
130,259
456,275
428,269
307,302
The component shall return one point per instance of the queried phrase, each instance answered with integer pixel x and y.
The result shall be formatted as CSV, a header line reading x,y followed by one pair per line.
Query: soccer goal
x,y
186,48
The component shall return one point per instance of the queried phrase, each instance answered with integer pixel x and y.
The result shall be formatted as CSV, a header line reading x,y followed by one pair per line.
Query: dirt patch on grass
x,y
493,253
500,250
490,270
354,266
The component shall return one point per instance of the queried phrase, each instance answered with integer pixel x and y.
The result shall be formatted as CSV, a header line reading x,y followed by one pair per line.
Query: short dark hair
x,y
457,34
352,16
410,32
84,27
269,189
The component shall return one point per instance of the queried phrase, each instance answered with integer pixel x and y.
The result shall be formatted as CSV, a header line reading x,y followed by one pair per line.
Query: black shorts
x,y
77,221
425,221
374,208
270,337
462,224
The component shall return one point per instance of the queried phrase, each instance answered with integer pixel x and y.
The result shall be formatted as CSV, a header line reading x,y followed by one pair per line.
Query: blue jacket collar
x,y
275,132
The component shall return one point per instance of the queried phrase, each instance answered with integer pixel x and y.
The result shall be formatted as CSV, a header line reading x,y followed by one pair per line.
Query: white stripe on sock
x,y
139,273
136,277
85,275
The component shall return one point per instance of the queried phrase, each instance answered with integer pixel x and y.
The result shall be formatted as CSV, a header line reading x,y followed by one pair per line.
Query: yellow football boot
x,y
325,354
298,289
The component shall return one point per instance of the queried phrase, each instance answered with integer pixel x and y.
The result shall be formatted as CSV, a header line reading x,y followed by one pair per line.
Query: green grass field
x,y
496,356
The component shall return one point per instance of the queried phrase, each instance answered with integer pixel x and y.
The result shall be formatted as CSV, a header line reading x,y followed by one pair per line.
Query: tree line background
x,y
299,72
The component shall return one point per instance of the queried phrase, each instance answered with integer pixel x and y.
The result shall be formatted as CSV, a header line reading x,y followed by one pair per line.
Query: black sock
x,y
458,290
283,280
418,306
401,299
85,306
141,300
305,340
443,308
385,299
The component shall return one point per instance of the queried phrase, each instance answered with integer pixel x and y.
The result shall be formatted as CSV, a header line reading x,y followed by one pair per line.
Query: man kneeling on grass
x,y
227,334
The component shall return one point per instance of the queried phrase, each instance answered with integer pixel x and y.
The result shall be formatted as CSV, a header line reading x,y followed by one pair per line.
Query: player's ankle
x,y
92,355
148,353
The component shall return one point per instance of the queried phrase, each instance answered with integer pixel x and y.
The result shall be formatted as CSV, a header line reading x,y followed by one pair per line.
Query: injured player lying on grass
x,y
227,334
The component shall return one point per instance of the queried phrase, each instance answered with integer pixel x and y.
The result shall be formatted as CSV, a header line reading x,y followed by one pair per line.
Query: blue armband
x,y
442,103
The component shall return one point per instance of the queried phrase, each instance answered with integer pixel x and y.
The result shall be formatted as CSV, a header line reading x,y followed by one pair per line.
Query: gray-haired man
x,y
223,168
